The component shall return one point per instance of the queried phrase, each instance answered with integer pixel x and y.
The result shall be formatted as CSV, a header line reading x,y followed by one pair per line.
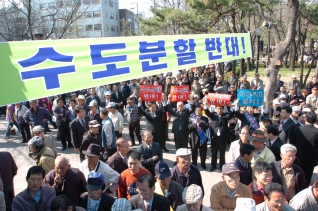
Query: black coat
x,y
117,163
125,92
180,123
90,98
77,131
204,124
300,180
156,122
220,123
105,204
159,203
275,148
119,99
287,130
146,156
244,121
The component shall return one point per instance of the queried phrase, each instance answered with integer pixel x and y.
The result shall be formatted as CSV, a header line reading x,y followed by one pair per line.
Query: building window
x,y
80,28
86,2
97,27
68,3
112,28
42,6
111,3
51,5
89,27
111,15
71,29
95,1
59,4
88,14
96,14
106,14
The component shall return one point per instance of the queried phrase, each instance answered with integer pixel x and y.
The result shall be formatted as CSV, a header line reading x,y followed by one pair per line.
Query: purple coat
x,y
66,115
37,116
10,112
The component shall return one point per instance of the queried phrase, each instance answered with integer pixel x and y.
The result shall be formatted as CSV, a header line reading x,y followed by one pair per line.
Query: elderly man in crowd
x,y
47,139
36,115
91,136
184,173
261,153
94,197
312,99
256,83
36,196
263,176
43,155
108,134
8,169
93,97
224,194
92,164
166,187
294,83
243,162
307,199
118,161
66,180
274,199
150,152
81,102
147,199
127,183
133,118
117,119
289,175
94,113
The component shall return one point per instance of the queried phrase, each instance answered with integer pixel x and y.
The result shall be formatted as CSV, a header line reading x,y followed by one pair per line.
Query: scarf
x,y
252,121
199,130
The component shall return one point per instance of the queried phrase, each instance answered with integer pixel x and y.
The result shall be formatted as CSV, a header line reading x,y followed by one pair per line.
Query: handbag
x,y
12,132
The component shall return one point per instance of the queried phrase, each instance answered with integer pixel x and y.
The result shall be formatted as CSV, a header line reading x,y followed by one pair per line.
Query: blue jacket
x,y
37,116
104,140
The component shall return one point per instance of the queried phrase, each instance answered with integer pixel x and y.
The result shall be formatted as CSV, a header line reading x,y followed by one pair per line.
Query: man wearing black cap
x,y
166,187
43,155
91,136
274,142
94,198
305,139
93,164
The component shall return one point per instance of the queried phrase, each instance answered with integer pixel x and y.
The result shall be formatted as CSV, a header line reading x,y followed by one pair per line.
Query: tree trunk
x,y
248,66
292,55
242,67
280,51
286,59
302,53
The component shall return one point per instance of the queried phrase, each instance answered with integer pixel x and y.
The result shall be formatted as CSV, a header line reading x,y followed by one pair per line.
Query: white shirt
x,y
118,121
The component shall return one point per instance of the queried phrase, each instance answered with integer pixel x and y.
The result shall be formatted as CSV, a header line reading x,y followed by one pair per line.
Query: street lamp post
x,y
258,33
135,18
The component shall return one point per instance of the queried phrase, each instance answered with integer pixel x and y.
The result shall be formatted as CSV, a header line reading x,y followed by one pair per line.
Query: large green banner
x,y
35,69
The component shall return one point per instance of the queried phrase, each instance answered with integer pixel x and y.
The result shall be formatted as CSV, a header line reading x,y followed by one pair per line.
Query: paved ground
x,y
19,153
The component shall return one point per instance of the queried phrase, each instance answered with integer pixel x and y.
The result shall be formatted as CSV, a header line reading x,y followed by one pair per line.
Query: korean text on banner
x,y
36,69
250,97
179,93
218,99
150,92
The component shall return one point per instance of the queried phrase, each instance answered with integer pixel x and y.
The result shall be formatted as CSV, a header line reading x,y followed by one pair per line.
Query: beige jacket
x,y
220,200
45,158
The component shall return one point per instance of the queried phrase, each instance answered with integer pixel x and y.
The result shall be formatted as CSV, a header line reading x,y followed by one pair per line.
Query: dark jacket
x,y
66,115
156,122
117,163
220,123
159,203
204,124
119,99
244,121
25,201
37,116
246,173
300,180
105,204
275,148
74,184
125,90
193,178
77,131
91,98
287,131
88,139
175,194
180,123
146,156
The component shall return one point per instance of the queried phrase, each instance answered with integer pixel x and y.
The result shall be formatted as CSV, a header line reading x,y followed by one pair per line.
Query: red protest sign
x,y
150,92
179,93
218,99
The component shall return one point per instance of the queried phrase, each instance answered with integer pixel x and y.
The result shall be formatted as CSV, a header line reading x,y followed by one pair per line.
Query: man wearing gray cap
x,y
43,156
47,139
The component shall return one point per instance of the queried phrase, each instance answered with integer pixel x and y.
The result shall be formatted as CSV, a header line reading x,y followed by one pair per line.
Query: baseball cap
x,y
93,103
92,150
81,97
257,135
230,167
36,141
162,170
111,104
276,102
293,76
244,76
121,204
192,194
108,93
93,123
256,74
265,118
183,152
38,129
95,181
296,108
282,96
246,204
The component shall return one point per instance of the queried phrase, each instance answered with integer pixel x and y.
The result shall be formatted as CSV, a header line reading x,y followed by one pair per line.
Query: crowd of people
x,y
268,167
